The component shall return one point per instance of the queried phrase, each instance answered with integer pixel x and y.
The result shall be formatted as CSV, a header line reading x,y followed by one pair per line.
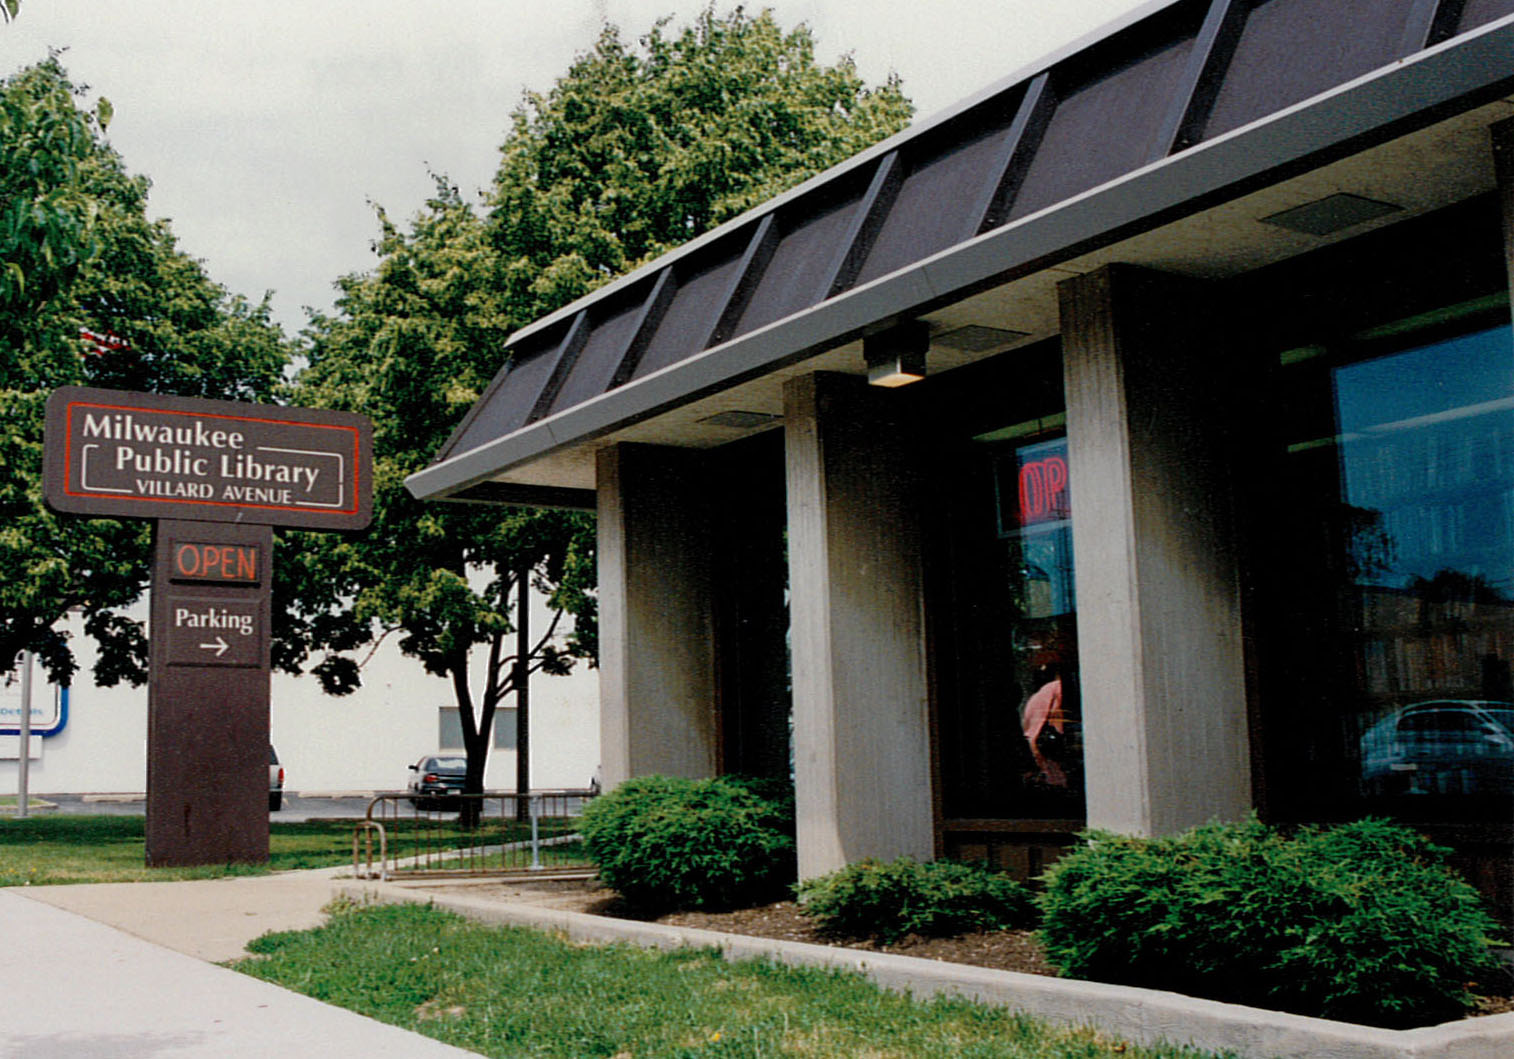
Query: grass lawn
x,y
521,993
45,850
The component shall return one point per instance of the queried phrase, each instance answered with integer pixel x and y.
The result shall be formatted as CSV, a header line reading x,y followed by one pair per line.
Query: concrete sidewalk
x,y
74,987
212,919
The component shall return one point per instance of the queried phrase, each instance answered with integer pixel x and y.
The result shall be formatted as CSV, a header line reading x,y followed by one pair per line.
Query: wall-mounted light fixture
x,y
896,357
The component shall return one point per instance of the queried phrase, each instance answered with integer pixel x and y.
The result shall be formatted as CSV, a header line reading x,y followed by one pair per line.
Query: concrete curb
x,y
1145,1016
32,803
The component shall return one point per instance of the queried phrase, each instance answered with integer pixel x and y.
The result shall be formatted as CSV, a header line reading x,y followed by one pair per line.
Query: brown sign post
x,y
216,476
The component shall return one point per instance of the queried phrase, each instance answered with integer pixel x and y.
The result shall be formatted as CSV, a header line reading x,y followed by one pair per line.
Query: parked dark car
x,y
437,781
275,781
1445,746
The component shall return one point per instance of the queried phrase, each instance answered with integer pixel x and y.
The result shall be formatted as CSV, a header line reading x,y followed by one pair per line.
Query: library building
x,y
1128,446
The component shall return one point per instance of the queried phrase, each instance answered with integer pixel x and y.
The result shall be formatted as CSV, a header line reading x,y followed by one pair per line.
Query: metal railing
x,y
494,833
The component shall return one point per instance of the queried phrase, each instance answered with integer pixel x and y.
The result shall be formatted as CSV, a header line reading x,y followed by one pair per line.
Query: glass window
x,y
1401,592
1010,725
449,731
504,728
450,728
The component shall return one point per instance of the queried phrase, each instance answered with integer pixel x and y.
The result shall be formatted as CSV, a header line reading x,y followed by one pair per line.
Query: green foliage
x,y
411,345
79,254
46,215
663,842
874,899
1361,922
638,150
513,992
408,348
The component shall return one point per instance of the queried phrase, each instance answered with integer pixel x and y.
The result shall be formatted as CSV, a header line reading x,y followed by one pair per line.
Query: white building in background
x,y
358,742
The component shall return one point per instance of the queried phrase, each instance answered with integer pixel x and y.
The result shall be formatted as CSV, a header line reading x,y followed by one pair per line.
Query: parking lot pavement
x,y
92,804
300,807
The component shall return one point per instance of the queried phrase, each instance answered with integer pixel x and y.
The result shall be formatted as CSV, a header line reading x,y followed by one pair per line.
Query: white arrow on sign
x,y
220,647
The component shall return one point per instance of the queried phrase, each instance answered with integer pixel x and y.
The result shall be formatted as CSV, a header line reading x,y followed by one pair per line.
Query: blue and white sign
x,y
49,706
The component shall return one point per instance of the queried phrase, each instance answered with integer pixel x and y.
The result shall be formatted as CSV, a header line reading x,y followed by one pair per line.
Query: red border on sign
x,y
68,441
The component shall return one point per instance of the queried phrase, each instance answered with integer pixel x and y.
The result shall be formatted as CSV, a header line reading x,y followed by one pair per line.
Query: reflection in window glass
x,y
1034,515
1011,726
1423,450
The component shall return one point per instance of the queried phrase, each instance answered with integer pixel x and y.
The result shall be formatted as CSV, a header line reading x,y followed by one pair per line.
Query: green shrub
x,y
665,843
1361,922
872,899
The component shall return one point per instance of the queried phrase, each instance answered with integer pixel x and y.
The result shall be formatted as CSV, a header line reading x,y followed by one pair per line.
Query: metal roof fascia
x,y
1375,102
1293,137
911,132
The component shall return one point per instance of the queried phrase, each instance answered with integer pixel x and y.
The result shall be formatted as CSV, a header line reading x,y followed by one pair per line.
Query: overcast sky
x,y
268,127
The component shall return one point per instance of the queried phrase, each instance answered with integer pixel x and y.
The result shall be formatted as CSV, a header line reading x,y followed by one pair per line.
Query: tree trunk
x,y
475,747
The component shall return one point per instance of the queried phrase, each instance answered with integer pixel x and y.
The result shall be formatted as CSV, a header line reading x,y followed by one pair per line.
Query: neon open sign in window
x,y
1043,490
1031,482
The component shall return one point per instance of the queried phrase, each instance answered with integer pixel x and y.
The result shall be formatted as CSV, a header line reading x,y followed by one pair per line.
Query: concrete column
x,y
861,728
657,651
1166,742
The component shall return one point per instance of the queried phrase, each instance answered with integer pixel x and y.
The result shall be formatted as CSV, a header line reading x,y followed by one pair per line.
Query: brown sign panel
x,y
114,453
207,702
215,631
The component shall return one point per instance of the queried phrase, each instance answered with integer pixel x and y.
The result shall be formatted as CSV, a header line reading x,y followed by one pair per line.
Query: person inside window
x,y
1044,723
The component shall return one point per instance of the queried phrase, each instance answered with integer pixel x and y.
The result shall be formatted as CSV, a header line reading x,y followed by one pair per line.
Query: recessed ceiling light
x,y
1331,214
736,419
975,338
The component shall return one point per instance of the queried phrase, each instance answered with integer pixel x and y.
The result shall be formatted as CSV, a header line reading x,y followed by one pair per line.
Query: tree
x,y
632,152
93,293
404,348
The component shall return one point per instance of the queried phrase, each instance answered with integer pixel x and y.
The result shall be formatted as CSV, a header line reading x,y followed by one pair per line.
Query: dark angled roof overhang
x,y
1107,144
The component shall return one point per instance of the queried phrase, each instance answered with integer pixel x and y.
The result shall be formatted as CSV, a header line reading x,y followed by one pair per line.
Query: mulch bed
x,y
1003,950
1008,950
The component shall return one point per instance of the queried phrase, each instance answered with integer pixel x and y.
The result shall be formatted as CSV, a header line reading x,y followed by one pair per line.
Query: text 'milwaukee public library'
x,y
160,450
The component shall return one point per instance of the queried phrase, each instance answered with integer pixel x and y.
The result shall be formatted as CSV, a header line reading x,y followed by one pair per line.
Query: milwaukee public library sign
x,y
215,477
143,455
